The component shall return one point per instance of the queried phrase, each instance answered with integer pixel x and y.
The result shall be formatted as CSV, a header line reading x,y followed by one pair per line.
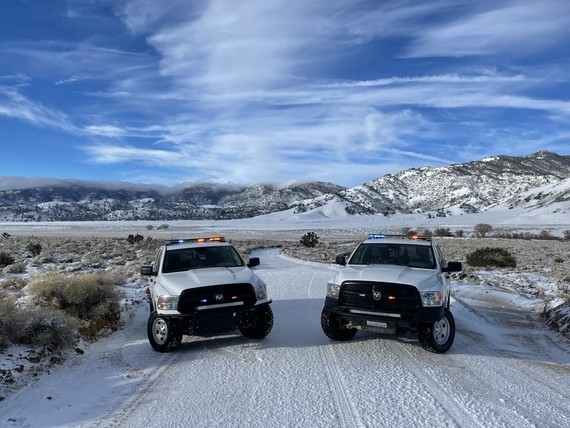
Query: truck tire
x,y
438,336
162,334
261,323
333,327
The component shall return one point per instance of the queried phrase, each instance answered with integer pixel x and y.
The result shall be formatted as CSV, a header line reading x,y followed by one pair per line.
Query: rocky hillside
x,y
461,188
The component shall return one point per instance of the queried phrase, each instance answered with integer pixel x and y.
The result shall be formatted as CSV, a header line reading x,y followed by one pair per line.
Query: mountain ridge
x,y
447,190
454,189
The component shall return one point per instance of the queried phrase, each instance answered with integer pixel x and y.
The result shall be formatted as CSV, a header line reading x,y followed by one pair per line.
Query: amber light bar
x,y
199,240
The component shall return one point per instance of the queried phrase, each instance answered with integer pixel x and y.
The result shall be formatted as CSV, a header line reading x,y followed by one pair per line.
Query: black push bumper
x,y
384,321
216,318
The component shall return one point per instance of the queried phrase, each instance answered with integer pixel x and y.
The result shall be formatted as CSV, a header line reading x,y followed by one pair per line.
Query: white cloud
x,y
240,46
11,183
105,131
431,79
516,28
18,77
141,16
66,81
53,59
109,154
13,104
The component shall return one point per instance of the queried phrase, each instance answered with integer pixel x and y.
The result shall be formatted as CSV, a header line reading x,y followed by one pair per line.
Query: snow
x,y
504,369
45,205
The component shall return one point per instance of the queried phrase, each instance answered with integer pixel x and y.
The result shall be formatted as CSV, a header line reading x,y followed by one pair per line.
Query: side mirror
x,y
453,267
253,261
340,260
147,270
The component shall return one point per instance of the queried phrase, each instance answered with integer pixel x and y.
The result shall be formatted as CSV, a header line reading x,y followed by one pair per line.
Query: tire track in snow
x,y
313,273
225,348
142,391
460,415
537,373
505,405
343,402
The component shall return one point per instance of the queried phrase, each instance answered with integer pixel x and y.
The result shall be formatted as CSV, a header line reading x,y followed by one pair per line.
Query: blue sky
x,y
243,92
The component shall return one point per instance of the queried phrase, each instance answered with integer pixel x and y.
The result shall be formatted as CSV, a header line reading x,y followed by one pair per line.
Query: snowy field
x,y
330,220
504,369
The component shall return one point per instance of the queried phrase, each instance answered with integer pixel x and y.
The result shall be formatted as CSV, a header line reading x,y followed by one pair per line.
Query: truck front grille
x,y
379,295
215,295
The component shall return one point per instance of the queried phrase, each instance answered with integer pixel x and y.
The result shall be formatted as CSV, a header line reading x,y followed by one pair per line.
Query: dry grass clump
x,y
91,298
35,326
13,284
15,268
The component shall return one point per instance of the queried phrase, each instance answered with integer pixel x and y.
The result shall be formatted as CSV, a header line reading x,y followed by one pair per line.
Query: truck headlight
x,y
167,303
333,290
432,298
260,292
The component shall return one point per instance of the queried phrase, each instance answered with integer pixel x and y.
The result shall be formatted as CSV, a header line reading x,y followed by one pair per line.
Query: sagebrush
x,y
309,239
34,326
491,257
91,298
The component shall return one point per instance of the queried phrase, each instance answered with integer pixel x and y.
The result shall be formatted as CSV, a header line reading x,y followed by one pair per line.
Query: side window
x,y
439,256
156,264
358,254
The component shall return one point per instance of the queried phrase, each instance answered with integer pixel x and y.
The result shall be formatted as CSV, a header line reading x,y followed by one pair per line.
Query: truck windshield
x,y
419,256
178,260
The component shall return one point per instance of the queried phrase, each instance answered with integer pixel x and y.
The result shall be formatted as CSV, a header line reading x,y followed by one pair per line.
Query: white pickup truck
x,y
392,284
200,286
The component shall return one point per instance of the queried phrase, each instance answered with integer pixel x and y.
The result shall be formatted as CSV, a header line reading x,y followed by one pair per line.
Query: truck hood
x,y
176,282
422,279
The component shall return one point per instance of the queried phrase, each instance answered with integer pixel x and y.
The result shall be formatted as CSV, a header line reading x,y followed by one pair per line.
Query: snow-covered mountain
x,y
531,181
75,201
536,181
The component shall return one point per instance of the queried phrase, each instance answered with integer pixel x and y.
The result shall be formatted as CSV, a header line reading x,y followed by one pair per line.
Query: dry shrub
x,y
91,298
48,327
491,257
442,231
15,268
7,310
309,239
35,326
35,248
6,259
13,284
482,229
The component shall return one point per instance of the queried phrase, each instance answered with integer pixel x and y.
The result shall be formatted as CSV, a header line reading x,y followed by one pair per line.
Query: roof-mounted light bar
x,y
198,240
386,236
421,237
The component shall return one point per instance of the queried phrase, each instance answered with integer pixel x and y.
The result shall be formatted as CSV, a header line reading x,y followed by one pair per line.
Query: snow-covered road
x,y
504,369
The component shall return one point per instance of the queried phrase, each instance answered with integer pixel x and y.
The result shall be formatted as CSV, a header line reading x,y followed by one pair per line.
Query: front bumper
x,y
207,319
383,321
